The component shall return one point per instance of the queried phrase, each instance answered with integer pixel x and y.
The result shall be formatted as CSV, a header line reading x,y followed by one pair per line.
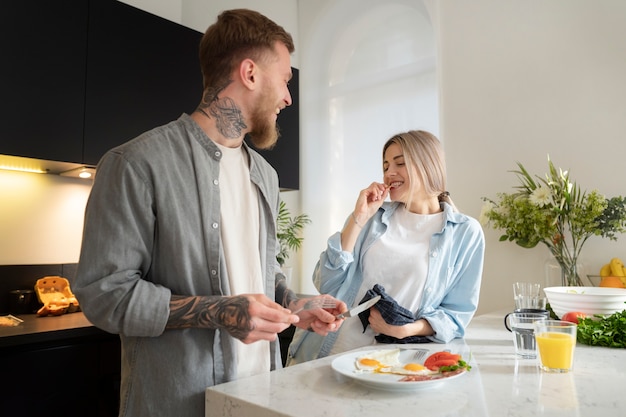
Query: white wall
x,y
368,72
518,80
522,79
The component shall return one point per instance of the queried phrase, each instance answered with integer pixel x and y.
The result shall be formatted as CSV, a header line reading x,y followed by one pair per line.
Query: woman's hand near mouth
x,y
368,202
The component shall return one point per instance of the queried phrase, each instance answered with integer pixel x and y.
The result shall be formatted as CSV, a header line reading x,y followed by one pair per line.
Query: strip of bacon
x,y
432,377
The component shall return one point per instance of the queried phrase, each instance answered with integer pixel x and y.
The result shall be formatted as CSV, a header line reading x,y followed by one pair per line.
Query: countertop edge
x,y
37,330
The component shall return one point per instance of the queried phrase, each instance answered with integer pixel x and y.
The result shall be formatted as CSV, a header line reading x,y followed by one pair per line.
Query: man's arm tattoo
x,y
211,312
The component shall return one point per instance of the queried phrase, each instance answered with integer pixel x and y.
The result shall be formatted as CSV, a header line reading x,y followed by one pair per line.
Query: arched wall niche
x,y
368,71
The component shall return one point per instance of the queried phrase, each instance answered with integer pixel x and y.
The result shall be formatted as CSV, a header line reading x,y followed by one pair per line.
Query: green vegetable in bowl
x,y
608,331
553,315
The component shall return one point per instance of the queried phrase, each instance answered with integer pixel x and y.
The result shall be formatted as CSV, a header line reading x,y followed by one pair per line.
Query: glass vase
x,y
564,274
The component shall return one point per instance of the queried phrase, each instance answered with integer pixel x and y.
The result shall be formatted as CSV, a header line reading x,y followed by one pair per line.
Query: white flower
x,y
540,196
503,211
483,218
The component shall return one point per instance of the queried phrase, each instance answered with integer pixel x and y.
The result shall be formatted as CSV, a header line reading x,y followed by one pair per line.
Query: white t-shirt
x,y
239,211
399,262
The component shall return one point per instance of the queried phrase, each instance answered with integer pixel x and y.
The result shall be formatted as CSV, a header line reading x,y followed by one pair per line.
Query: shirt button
x,y
215,182
215,225
218,153
434,254
213,272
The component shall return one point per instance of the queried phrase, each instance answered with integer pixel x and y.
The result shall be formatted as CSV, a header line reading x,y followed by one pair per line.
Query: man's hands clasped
x,y
265,318
319,320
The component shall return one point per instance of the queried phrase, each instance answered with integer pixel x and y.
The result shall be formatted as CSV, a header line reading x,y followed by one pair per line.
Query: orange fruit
x,y
613,282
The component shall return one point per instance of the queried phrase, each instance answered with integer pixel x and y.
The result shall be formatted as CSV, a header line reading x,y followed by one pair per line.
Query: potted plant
x,y
288,232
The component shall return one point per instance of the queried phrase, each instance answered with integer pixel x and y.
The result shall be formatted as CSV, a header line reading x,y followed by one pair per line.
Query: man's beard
x,y
264,134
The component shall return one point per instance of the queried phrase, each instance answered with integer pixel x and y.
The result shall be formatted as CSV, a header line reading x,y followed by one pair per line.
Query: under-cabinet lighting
x,y
85,172
14,163
43,166
23,169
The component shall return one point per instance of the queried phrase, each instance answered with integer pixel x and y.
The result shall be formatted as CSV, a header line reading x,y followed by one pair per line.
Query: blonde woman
x,y
417,251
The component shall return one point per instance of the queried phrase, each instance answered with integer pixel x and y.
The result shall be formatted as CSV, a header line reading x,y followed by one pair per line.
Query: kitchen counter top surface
x,y
499,384
37,329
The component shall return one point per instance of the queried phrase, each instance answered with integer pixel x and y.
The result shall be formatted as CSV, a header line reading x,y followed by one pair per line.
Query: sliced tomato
x,y
439,359
444,362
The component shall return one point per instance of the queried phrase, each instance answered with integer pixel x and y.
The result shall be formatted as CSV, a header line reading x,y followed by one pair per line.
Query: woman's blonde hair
x,y
423,152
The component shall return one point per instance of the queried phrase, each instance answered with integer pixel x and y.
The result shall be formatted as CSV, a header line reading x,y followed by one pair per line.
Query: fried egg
x,y
388,362
407,369
377,360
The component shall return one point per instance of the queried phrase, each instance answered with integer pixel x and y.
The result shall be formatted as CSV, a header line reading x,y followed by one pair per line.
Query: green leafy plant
x,y
288,233
609,331
554,211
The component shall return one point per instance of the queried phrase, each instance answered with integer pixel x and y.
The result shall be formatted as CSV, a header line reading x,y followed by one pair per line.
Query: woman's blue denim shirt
x,y
152,229
452,285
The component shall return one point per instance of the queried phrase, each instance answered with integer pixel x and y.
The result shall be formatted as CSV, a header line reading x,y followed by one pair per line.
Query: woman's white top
x,y
399,262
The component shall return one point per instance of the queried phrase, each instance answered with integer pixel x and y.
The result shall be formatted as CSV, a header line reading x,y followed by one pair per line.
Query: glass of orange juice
x,y
556,340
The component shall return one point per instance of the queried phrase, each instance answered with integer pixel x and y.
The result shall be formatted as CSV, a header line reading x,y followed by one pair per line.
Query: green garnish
x,y
460,364
609,331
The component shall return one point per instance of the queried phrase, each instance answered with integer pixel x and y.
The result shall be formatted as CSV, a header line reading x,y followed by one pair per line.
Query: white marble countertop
x,y
498,385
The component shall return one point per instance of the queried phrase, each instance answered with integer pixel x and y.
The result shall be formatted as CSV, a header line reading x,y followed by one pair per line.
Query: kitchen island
x,y
499,384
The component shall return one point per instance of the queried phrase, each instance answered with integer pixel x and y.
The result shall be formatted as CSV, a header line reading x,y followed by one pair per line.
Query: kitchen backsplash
x,y
41,218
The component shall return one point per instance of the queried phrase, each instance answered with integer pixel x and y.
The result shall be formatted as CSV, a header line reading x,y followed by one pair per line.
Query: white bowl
x,y
588,300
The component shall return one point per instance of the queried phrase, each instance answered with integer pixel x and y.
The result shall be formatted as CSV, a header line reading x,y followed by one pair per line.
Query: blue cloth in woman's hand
x,y
392,313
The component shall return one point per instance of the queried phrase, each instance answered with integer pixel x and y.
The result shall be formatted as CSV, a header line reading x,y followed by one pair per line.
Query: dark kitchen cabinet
x,y
79,77
142,72
42,78
72,377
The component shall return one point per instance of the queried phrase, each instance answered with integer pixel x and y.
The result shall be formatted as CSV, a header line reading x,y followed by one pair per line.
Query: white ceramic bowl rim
x,y
589,300
595,292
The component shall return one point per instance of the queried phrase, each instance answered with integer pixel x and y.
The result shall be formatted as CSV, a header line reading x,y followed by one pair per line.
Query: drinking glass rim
x,y
554,324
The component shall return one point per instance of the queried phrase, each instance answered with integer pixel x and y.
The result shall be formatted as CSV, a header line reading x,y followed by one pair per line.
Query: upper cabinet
x,y
82,76
42,78
142,72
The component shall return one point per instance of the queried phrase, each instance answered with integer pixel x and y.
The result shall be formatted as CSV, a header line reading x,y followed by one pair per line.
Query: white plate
x,y
344,365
